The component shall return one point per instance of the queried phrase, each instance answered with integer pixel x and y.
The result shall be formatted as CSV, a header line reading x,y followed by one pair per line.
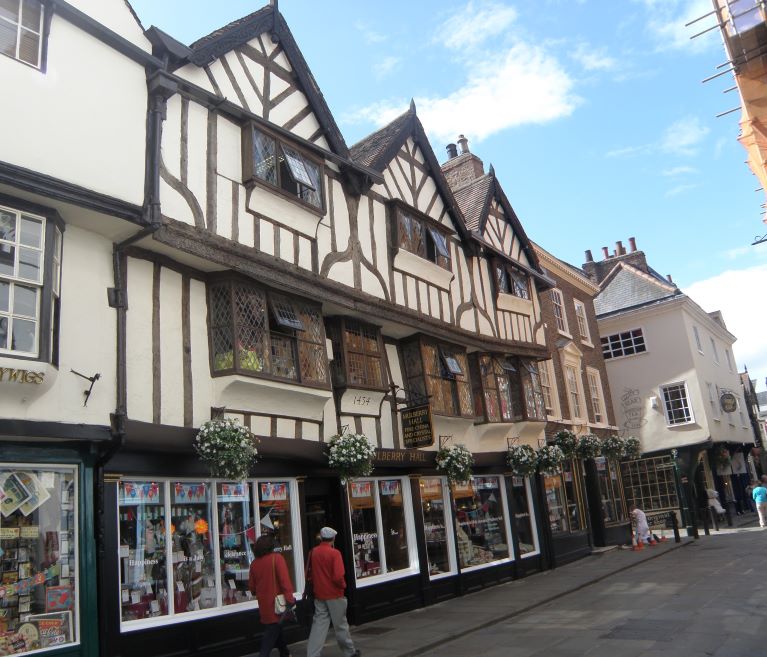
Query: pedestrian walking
x,y
269,581
759,494
326,573
640,523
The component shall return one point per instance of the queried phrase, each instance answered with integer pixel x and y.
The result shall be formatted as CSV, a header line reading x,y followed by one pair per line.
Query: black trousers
x,y
273,638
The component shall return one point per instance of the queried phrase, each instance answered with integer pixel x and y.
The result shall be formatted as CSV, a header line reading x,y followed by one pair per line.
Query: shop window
x,y
481,521
38,540
524,516
172,566
21,29
558,303
626,343
30,281
611,490
256,332
283,167
358,354
439,373
510,280
566,513
676,404
381,527
437,526
650,483
419,236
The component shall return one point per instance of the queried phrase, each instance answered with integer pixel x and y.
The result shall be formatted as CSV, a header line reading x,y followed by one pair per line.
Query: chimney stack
x,y
605,253
589,257
464,144
633,244
619,248
452,151
670,280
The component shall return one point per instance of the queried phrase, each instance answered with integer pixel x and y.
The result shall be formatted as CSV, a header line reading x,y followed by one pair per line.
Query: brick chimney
x,y
462,167
598,270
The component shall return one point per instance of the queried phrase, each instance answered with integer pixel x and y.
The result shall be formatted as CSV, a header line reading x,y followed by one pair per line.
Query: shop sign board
x,y
416,427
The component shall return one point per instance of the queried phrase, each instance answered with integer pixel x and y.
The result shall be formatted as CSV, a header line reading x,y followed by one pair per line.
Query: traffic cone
x,y
651,541
638,545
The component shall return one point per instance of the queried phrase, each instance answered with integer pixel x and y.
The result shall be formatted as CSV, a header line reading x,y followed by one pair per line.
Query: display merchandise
x,y
480,521
523,519
435,525
38,558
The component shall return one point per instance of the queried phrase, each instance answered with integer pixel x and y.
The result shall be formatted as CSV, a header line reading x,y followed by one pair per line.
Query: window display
x,y
523,516
275,517
436,525
556,503
378,512
38,562
610,490
563,500
235,549
481,521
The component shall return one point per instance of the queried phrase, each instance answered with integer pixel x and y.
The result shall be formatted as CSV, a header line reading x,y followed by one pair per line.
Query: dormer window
x,y
282,166
511,280
419,236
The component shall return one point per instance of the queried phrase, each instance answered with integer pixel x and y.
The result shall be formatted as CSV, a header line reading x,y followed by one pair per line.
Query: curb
x,y
447,639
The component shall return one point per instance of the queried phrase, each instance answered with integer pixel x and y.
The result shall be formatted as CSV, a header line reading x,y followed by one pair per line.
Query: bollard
x,y
675,527
706,519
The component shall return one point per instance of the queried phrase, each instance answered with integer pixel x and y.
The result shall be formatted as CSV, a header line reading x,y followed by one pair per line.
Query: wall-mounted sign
x,y
728,402
403,457
13,375
416,427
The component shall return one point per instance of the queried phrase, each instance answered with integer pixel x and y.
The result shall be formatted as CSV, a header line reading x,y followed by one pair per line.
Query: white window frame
x,y
688,403
447,505
698,343
20,27
220,609
558,304
574,394
714,401
714,350
548,367
597,395
414,567
583,322
507,525
728,356
533,520
609,354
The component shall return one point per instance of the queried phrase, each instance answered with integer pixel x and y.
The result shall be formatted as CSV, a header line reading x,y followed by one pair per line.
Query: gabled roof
x,y
627,287
378,149
237,33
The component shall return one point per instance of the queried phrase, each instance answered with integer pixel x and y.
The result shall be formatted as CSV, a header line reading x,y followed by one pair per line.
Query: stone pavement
x,y
435,627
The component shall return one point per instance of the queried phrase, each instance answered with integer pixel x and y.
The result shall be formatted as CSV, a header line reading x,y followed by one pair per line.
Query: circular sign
x,y
728,402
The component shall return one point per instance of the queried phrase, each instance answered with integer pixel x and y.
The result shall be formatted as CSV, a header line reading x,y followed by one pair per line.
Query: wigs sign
x,y
13,375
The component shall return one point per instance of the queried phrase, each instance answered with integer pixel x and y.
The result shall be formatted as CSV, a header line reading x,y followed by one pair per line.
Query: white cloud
x,y
593,59
369,34
679,189
679,171
522,85
473,24
667,20
386,66
684,136
736,294
746,250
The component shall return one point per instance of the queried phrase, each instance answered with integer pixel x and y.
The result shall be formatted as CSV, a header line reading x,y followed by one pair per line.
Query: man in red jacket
x,y
326,573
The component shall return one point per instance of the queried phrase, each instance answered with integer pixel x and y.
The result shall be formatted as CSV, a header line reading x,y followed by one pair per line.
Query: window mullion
x,y
379,525
216,545
169,563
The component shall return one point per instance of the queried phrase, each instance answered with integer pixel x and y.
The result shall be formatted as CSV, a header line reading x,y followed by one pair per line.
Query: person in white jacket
x,y
639,519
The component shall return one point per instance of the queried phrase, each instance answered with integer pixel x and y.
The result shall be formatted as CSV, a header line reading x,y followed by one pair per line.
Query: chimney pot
x,y
463,143
618,248
605,252
670,280
452,151
589,257
633,244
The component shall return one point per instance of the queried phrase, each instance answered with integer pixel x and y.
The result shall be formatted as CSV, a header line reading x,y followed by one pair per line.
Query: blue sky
x,y
592,112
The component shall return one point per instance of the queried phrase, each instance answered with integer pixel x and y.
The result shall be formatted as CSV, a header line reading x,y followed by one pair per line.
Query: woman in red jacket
x,y
268,578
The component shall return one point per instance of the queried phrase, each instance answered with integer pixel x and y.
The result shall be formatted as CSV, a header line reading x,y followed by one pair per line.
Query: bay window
x,y
256,332
358,354
506,388
382,528
185,547
30,282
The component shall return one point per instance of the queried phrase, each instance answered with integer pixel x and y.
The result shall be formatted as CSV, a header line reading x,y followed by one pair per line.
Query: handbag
x,y
305,606
280,604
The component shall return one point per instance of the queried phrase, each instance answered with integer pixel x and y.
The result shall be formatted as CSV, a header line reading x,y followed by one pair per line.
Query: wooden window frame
x,y
251,178
41,33
582,319
558,301
272,331
574,396
597,395
336,329
505,283
429,250
515,373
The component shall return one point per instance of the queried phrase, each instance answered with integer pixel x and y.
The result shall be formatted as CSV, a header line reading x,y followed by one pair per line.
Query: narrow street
x,y
706,598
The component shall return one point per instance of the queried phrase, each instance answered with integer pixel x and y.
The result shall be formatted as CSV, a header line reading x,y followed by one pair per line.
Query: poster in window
x,y
464,489
58,598
274,492
139,493
390,487
38,495
184,493
431,489
360,488
236,492
55,629
15,494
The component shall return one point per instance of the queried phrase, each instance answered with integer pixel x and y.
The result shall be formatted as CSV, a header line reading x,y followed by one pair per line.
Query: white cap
x,y
327,533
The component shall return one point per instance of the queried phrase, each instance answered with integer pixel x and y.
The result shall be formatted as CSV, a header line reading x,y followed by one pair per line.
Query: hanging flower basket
x,y
456,463
722,458
589,447
351,455
550,459
567,441
522,460
613,447
227,448
632,448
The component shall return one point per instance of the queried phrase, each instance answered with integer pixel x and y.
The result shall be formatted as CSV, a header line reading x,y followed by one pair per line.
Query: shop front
x,y
566,507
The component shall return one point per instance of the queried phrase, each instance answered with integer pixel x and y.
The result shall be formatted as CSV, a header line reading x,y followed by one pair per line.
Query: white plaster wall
x,y
83,120
202,388
115,15
139,340
171,349
87,343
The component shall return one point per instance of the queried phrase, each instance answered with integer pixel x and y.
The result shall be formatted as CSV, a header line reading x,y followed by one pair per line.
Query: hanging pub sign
x,y
728,402
416,427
